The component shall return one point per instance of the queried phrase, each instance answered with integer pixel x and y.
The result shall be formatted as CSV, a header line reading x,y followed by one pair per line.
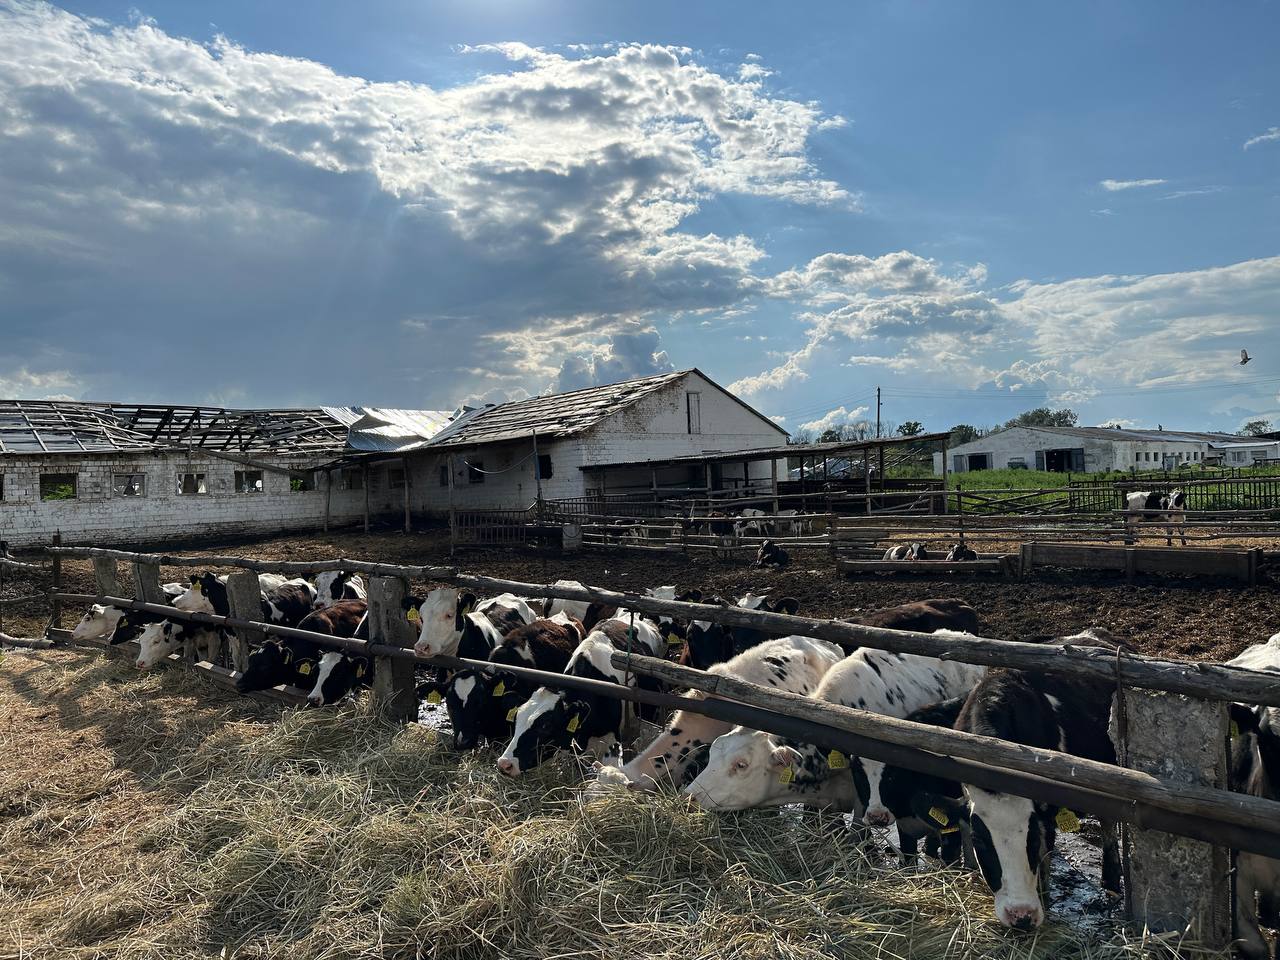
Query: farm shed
x,y
129,473
1102,449
485,459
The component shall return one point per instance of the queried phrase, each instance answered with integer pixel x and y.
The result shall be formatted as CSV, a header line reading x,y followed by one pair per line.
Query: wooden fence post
x,y
393,686
55,614
1172,883
244,594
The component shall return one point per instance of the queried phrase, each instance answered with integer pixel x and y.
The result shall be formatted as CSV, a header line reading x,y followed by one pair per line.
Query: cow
x,y
335,586
342,619
779,772
289,661
961,552
1013,836
338,674
589,613
120,626
791,664
753,522
1153,506
288,603
1255,770
708,643
208,593
165,637
444,618
922,616
715,524
1262,656
673,629
552,719
771,555
906,551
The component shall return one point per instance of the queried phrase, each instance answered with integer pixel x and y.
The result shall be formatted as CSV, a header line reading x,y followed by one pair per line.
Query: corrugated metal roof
x,y
1124,433
57,426
782,452
553,415
388,430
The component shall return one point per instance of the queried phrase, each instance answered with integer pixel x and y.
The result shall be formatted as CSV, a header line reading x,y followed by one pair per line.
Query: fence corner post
x,y
244,595
1173,883
55,612
393,691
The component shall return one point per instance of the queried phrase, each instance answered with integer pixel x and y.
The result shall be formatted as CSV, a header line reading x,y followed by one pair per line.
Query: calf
x,y
673,629
1262,656
443,615
117,625
922,616
342,619
166,637
552,720
771,555
906,551
335,586
777,771
1013,836
961,552
288,603
574,608
338,674
1255,770
289,661
208,593
708,643
793,664
1153,506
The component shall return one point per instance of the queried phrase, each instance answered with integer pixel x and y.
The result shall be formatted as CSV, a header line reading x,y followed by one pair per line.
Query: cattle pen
x,y
1191,809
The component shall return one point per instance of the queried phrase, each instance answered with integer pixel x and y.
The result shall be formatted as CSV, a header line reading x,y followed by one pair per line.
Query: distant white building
x,y
1103,449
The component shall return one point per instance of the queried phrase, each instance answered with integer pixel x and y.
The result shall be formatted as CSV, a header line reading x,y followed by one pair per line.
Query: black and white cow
x,y
335,586
792,664
1013,836
290,661
445,617
1255,770
163,638
673,629
906,551
552,720
771,555
1152,506
288,603
208,593
961,552
338,674
708,643
748,768
120,626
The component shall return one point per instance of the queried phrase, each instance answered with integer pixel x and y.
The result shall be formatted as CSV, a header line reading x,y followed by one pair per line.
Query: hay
x,y
186,826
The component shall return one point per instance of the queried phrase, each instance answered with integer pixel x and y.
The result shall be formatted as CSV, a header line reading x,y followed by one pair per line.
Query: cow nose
x,y
315,700
1023,918
508,767
468,743
879,818
141,665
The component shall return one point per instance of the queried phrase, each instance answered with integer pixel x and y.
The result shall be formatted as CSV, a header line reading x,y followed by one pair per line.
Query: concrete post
x,y
393,685
1172,883
244,595
146,583
106,576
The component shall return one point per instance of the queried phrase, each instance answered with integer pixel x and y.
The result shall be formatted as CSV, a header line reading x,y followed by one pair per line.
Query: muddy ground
x,y
1176,617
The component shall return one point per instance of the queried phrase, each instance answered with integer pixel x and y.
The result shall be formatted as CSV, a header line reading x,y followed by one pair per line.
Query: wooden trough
x,y
989,564
1237,562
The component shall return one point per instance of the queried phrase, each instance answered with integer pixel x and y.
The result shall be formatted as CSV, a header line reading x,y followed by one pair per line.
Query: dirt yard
x,y
1181,618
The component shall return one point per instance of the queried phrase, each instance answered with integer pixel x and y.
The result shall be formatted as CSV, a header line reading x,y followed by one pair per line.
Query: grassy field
x,y
149,816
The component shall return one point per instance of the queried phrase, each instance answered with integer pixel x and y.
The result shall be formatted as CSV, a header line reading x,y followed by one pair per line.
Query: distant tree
x,y
1044,417
912,428
964,433
801,435
1256,428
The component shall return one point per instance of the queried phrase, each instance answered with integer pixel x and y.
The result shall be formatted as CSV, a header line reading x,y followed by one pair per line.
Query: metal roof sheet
x,y
1125,433
388,430
775,453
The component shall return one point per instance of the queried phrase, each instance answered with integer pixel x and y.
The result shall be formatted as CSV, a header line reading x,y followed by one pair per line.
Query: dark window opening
x,y
444,475
395,478
249,481
191,484
302,482
129,485
1064,461
475,472
57,486
544,466
693,409
979,461
352,480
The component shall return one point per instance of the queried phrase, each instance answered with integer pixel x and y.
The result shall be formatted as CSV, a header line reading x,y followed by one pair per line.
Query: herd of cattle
x,y
719,766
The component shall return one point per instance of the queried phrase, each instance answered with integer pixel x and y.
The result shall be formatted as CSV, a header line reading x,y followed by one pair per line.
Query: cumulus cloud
x,y
37,384
220,199
627,356
1114,185
1271,136
838,417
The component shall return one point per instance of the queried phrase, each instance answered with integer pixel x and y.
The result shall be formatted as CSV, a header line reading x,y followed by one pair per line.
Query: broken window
x,y
444,474
694,411
191,484
544,466
395,478
302,482
475,472
57,486
129,485
352,480
249,481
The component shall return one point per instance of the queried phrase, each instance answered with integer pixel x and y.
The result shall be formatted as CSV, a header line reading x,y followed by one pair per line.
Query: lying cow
x,y
749,768
445,618
961,552
906,551
922,616
335,586
1152,506
771,555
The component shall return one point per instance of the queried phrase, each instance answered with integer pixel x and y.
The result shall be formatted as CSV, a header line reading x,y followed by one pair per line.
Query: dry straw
x,y
157,818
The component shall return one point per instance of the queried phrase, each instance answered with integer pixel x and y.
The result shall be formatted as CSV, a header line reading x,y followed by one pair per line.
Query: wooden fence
x,y
1191,810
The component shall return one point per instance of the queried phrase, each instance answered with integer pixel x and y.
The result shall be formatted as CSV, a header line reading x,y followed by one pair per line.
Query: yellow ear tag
x,y
511,714
304,668
434,697
573,724
288,656
939,816
787,775
673,640
468,608
837,760
500,689
413,616
197,587
360,669
1235,730
1067,821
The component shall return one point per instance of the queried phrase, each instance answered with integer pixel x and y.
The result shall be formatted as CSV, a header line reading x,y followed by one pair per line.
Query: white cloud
x,y
1271,136
26,384
835,418
627,356
1193,192
1114,185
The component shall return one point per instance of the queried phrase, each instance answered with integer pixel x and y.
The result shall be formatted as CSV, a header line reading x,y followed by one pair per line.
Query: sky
x,y
978,208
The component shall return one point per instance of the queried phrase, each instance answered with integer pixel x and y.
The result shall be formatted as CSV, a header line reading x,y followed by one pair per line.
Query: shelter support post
x,y
328,498
453,513
55,613
244,595
408,523
1173,883
365,468
773,482
944,479
393,686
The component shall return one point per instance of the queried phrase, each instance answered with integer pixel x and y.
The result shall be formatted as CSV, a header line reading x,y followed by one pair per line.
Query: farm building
x,y
122,473
1102,449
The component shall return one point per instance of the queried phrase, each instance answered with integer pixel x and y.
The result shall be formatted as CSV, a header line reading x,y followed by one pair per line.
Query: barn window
x,y
1137,457
444,474
352,480
475,472
129,485
57,486
249,481
395,478
190,484
693,402
544,466
302,482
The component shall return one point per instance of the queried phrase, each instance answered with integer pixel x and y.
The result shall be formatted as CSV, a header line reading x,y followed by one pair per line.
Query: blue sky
x,y
978,207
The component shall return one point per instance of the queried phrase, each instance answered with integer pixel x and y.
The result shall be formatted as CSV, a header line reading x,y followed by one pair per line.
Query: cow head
x,y
157,641
1174,500
335,585
271,664
479,705
674,630
442,617
97,623
1012,838
745,768
548,721
337,674
206,593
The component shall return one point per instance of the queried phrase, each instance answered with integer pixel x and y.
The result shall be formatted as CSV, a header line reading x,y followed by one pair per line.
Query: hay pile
x,y
176,827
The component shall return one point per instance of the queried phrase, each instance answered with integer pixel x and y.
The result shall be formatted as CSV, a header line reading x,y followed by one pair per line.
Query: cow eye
x,y
741,765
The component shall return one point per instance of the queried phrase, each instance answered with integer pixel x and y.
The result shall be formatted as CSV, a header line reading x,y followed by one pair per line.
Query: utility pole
x,y
877,413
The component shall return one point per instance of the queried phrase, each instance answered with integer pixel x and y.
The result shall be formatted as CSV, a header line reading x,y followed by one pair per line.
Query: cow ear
x,y
466,603
194,578
787,605
361,667
784,758
691,596
1244,719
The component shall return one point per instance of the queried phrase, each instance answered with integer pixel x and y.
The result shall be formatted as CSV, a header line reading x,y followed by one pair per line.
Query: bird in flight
x,y
1244,357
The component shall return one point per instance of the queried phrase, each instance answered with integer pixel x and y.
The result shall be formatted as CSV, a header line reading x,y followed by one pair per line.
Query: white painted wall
x,y
1100,455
